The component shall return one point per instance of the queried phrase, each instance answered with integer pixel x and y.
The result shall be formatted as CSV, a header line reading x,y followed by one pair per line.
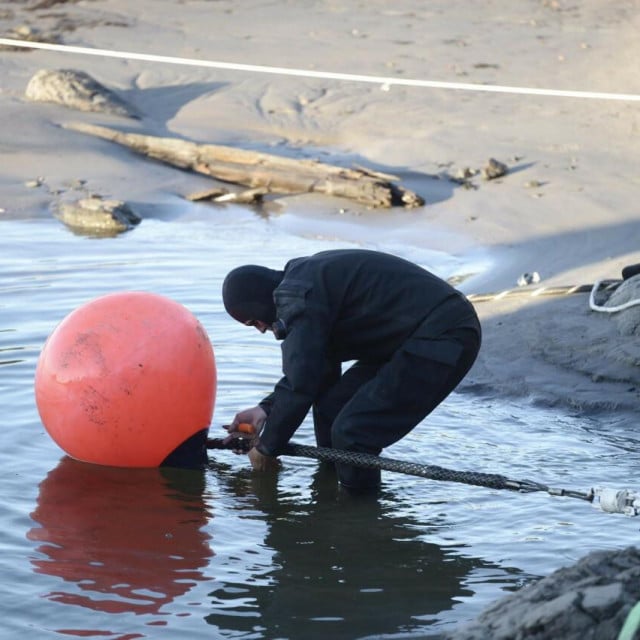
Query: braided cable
x,y
432,472
609,500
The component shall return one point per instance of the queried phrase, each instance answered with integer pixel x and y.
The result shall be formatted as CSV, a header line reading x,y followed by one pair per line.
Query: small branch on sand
x,y
217,194
268,173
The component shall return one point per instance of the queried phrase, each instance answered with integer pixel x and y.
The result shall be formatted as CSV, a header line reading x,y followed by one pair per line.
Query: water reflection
x,y
343,566
9,354
122,540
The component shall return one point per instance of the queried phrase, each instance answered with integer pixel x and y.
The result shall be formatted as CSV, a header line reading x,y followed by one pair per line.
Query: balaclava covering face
x,y
247,293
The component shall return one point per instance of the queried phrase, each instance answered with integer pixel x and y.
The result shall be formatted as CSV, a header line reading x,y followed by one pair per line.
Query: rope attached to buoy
x,y
610,500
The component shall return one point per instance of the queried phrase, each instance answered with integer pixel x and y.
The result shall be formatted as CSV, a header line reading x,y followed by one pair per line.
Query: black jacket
x,y
344,305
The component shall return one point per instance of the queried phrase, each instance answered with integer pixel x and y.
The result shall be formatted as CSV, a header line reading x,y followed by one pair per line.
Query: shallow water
x,y
98,552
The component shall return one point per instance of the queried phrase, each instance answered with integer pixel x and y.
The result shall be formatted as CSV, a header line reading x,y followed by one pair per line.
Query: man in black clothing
x,y
411,335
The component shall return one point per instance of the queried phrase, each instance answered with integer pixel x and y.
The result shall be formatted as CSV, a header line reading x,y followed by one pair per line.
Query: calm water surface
x,y
98,552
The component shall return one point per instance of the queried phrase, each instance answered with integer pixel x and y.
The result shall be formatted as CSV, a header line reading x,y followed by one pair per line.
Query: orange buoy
x,y
125,379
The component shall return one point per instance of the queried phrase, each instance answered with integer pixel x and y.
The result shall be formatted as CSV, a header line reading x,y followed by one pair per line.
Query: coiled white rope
x,y
385,81
596,307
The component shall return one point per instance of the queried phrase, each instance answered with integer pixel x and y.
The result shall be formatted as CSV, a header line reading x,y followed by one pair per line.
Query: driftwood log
x,y
265,172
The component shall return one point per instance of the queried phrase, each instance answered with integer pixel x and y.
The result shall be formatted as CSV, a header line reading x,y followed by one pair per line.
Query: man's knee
x,y
333,399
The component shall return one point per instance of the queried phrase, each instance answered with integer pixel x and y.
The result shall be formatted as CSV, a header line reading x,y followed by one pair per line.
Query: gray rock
x,y
96,216
627,320
494,169
587,601
77,90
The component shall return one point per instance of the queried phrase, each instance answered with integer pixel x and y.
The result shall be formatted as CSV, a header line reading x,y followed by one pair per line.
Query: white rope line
x,y
385,81
596,307
546,291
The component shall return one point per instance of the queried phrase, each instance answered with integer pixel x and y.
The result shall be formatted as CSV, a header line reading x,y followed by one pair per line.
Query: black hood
x,y
247,293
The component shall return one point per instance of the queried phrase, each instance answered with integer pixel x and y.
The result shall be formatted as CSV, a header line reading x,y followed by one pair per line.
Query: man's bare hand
x,y
255,416
245,429
241,437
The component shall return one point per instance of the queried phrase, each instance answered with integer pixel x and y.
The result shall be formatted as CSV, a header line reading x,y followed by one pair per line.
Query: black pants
x,y
373,405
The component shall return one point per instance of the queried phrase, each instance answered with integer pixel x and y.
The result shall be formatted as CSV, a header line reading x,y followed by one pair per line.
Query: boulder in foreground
x,y
587,601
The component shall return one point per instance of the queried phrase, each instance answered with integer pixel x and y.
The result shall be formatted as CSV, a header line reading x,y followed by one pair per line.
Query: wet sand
x,y
567,207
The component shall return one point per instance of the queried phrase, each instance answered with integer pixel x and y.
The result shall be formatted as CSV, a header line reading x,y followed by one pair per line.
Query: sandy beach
x,y
567,208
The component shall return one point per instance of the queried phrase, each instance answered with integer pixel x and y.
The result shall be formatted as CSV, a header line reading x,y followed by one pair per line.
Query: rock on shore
x,y
587,601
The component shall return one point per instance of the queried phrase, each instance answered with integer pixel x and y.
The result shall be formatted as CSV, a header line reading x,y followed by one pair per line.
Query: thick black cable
x,y
369,461
431,472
